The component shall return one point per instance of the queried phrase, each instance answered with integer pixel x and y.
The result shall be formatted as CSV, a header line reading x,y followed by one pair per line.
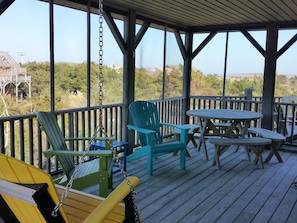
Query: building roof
x,y
206,15
9,67
6,61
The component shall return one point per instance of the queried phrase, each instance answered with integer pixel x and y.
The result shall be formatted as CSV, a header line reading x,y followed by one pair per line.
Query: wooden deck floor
x,y
239,192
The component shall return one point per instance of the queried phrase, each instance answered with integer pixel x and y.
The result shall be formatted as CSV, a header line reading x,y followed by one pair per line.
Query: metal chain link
x,y
100,75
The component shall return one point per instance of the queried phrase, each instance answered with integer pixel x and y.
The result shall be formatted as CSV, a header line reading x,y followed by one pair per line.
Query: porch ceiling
x,y
215,13
207,14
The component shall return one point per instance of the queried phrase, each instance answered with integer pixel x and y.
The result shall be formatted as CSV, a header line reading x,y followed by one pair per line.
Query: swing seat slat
x,y
77,206
91,172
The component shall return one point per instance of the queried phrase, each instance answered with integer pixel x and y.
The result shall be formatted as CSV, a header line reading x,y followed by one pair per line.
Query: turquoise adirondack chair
x,y
96,171
146,123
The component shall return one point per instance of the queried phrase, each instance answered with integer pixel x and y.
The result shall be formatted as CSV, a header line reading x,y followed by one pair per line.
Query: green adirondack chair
x,y
90,172
146,123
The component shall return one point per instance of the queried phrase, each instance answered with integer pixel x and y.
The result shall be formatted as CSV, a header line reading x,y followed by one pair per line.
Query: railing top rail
x,y
16,117
58,112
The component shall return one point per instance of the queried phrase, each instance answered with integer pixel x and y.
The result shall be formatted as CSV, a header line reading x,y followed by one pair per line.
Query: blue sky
x,y
24,28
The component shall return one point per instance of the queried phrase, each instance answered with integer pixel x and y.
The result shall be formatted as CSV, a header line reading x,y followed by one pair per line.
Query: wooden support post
x,y
269,75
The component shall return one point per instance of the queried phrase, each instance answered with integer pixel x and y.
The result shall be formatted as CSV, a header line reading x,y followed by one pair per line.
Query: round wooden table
x,y
224,114
230,119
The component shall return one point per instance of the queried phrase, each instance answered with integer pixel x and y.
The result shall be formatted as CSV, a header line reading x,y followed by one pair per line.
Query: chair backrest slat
x,y
144,114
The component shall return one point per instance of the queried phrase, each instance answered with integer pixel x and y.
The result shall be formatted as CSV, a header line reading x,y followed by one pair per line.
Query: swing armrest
x,y
116,196
50,153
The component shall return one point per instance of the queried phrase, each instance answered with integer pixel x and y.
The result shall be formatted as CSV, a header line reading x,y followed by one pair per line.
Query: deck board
x,y
239,192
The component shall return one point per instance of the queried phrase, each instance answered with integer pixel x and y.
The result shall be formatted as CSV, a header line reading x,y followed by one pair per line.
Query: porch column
x,y
187,74
129,74
269,75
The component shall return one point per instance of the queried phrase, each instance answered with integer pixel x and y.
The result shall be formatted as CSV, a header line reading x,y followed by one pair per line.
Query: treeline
x,y
71,87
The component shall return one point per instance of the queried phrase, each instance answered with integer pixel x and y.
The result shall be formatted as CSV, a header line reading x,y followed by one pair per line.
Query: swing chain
x,y
73,177
133,192
100,129
115,154
101,80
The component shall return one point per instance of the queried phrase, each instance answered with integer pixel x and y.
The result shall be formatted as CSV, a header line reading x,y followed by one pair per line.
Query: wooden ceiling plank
x,y
288,7
200,14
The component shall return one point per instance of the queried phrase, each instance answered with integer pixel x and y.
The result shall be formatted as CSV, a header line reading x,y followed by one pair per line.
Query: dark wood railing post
x,y
248,95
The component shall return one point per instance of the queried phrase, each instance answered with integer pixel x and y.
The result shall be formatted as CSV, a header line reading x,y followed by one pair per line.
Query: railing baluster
x,y
40,143
2,138
31,144
22,140
12,137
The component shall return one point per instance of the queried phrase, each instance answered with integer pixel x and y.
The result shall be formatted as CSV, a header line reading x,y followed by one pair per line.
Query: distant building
x,y
13,78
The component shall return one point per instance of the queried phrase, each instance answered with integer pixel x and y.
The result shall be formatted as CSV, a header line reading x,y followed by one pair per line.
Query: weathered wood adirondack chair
x,y
91,172
287,125
28,195
147,124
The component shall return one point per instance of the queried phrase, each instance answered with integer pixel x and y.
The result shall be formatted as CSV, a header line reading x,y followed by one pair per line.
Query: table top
x,y
224,114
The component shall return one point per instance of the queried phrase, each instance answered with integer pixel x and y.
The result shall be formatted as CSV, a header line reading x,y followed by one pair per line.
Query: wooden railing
x,y
285,120
218,102
21,137
17,79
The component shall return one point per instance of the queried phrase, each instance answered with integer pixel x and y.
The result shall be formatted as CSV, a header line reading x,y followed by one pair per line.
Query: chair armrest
x,y
169,124
175,126
142,130
50,152
183,131
149,134
116,196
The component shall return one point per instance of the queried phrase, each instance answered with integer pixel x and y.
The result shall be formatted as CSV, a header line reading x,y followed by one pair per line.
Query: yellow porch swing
x,y
28,194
